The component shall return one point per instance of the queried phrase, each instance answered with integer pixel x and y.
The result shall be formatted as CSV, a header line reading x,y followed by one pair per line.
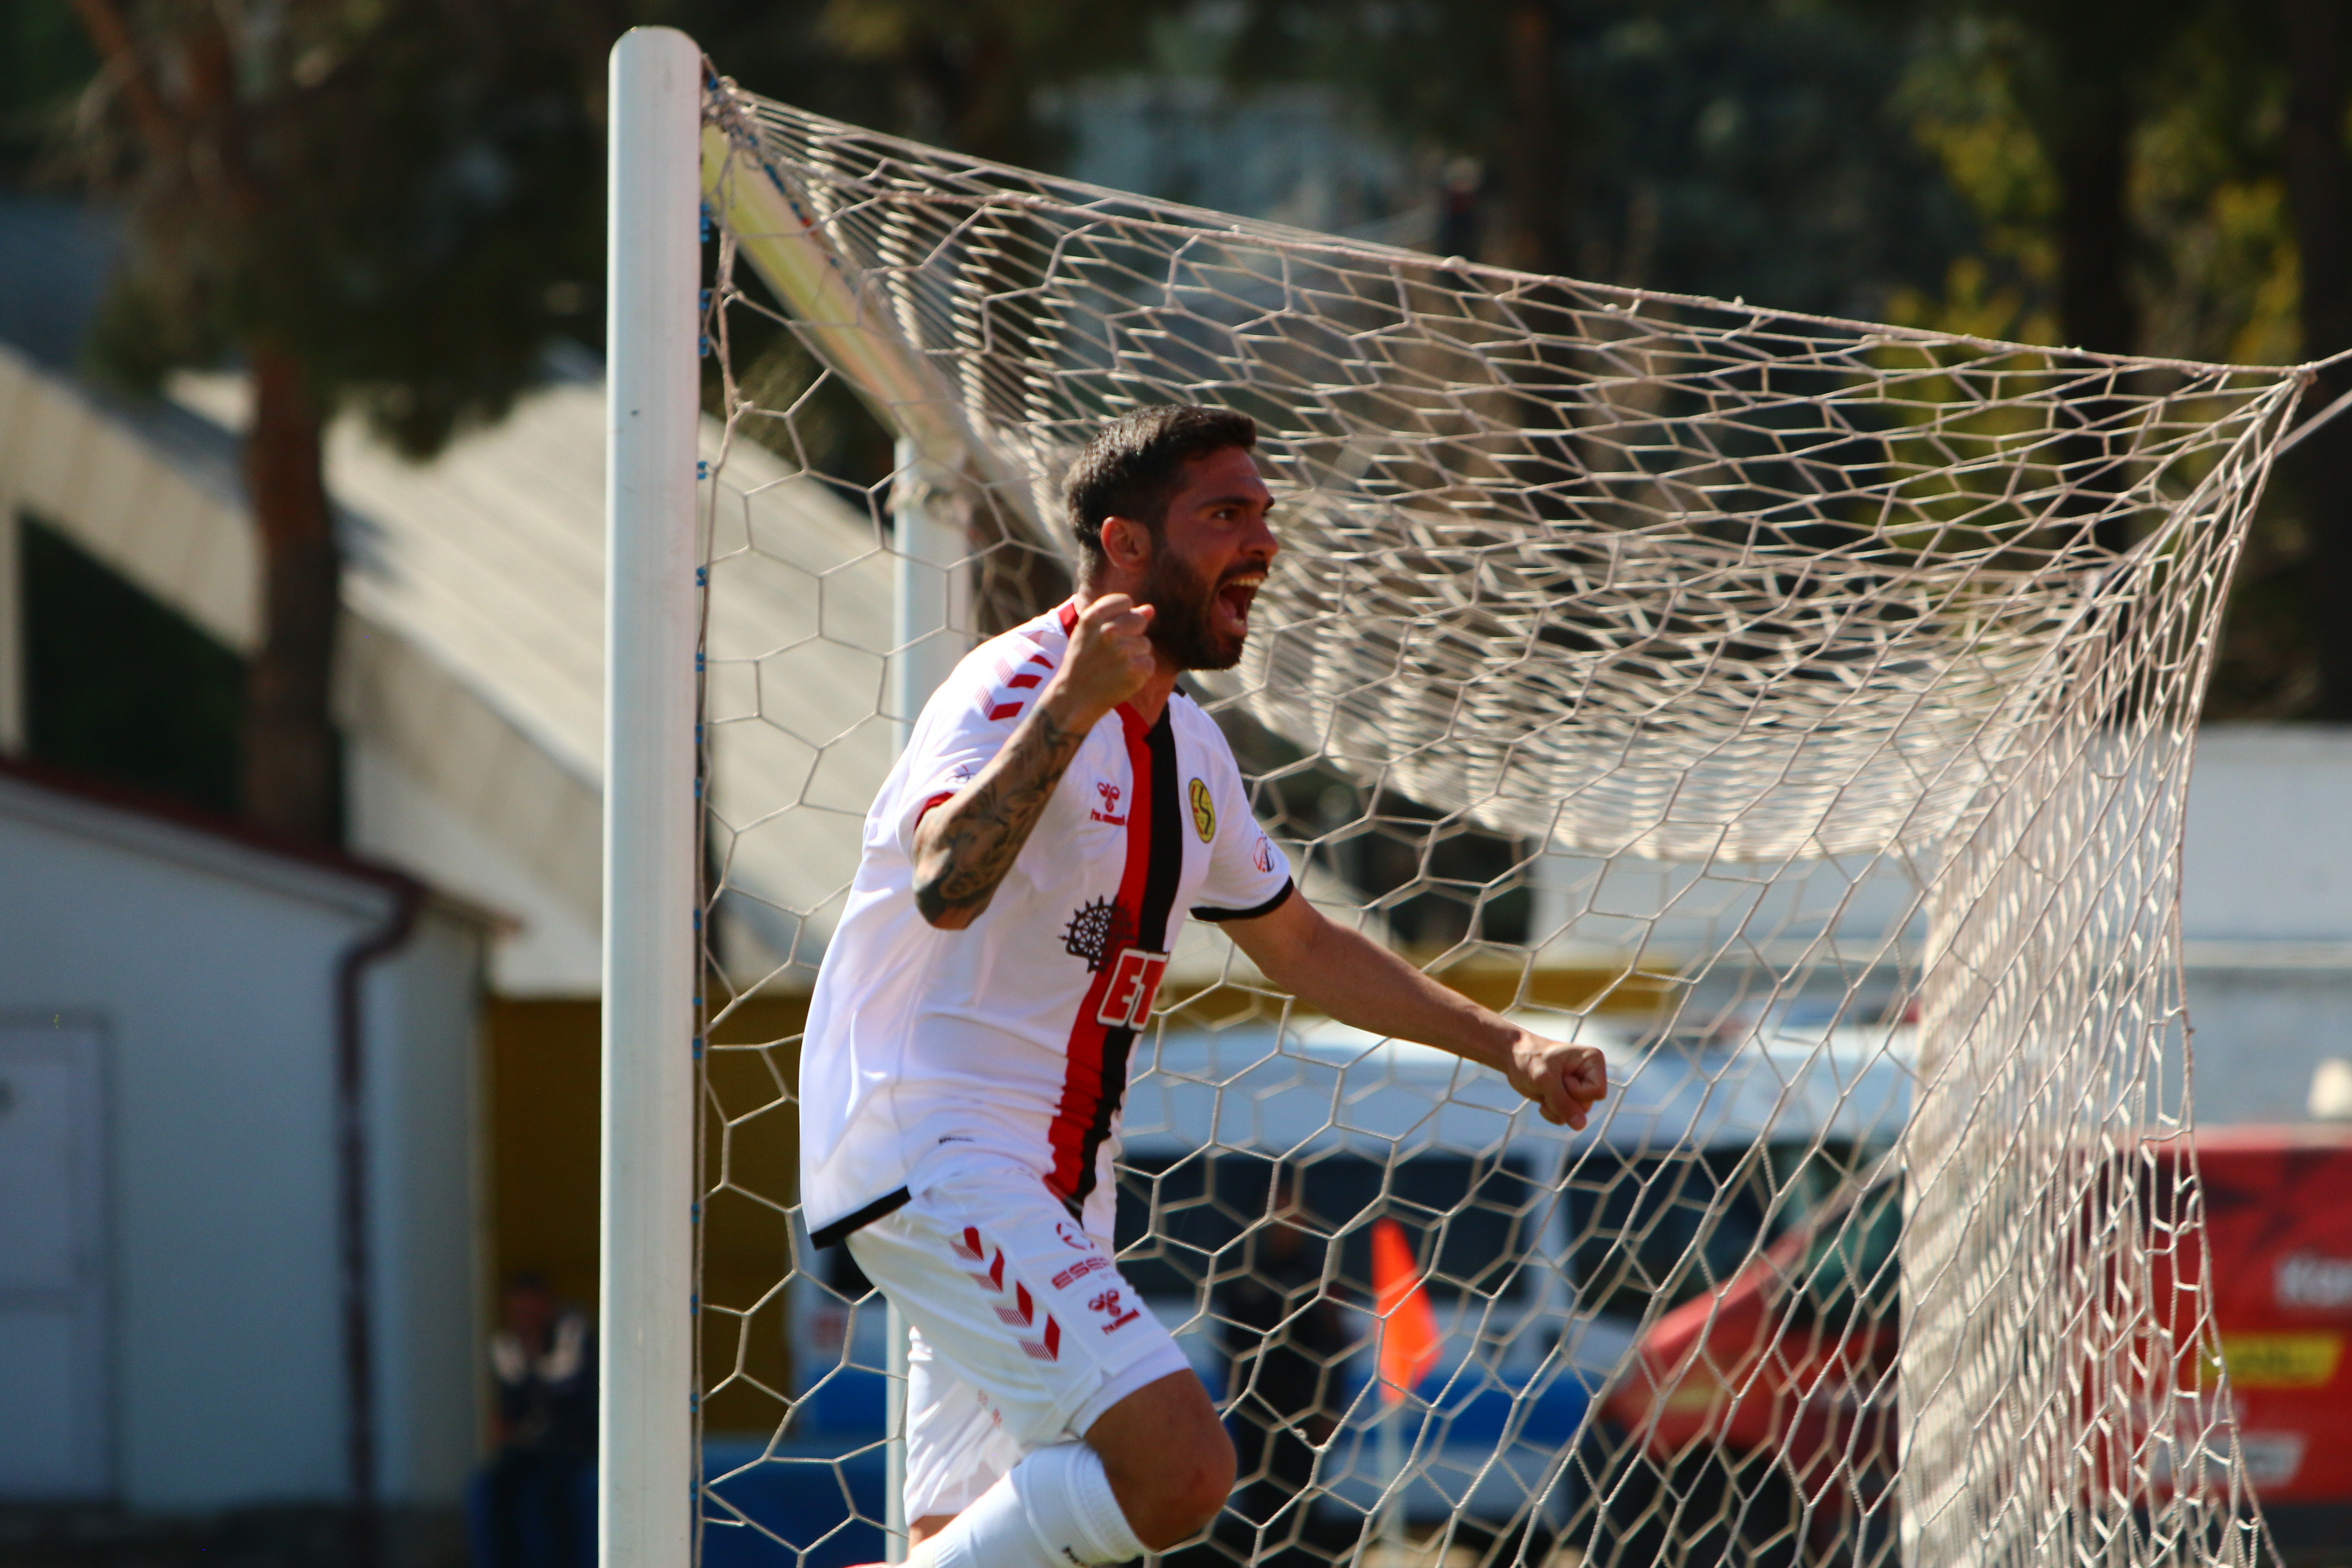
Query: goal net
x,y
1798,709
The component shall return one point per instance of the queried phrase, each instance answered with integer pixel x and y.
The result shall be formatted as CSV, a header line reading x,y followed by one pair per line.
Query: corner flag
x,y
1409,1336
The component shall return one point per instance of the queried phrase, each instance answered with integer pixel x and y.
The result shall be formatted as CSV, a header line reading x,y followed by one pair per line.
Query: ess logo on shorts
x,y
1079,1270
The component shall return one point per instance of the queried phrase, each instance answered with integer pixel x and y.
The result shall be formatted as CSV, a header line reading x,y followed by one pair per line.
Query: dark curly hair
x,y
1132,466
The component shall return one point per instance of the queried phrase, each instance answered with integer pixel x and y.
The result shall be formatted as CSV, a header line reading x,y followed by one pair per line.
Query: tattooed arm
x,y
964,846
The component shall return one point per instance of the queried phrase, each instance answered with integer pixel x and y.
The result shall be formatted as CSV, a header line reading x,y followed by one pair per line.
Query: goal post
x,y
1757,695
646,1428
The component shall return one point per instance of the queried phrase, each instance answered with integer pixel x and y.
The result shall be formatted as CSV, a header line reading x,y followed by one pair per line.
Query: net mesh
x,y
1799,709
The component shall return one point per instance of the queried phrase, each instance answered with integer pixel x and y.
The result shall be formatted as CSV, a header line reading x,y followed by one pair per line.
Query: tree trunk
x,y
2091,154
2319,193
1536,188
291,774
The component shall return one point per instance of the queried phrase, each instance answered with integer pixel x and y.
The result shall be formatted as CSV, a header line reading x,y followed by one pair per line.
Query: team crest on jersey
x,y
1205,812
1095,931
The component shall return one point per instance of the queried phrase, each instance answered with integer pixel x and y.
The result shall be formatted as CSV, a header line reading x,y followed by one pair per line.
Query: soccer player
x,y
1059,809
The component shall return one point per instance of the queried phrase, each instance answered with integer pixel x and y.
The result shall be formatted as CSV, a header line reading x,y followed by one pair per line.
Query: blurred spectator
x,y
1458,197
1283,1342
533,1507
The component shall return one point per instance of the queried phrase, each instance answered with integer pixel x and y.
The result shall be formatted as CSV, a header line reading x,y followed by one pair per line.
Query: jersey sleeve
x,y
962,727
1249,876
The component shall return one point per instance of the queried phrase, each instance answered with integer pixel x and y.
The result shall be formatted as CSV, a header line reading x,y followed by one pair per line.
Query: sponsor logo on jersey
x,y
1108,811
1127,1000
1074,1238
1205,812
1263,857
1096,930
1109,1306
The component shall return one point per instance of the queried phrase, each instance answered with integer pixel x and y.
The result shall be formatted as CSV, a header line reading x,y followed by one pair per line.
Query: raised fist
x,y
1565,1081
1110,656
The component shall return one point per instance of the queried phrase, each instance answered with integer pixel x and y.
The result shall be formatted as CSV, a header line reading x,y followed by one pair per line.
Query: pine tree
x,y
380,204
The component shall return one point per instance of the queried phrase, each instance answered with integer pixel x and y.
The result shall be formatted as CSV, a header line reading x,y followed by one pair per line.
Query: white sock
x,y
1054,1509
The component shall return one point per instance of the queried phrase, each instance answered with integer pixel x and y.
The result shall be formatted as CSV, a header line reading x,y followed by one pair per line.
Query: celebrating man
x,y
1059,809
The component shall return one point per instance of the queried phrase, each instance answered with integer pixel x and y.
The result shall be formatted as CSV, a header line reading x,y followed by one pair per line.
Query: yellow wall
x,y
543,1130
543,1198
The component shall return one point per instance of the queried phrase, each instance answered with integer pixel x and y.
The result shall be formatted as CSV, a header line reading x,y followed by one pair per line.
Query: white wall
x,y
2266,910
2258,1034
2269,835
212,966
427,1176
554,947
11,631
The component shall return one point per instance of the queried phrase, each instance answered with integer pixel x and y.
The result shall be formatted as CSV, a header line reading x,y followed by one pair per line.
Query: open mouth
x,y
1234,595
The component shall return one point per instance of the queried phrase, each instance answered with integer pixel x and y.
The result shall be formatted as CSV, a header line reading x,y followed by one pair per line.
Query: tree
x,y
388,204
2082,78
2319,183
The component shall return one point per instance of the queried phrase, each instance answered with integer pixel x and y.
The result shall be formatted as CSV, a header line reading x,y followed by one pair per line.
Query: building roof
x,y
471,681
171,829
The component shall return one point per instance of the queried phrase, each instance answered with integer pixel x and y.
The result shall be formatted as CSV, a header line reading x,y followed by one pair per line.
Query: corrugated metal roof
x,y
489,562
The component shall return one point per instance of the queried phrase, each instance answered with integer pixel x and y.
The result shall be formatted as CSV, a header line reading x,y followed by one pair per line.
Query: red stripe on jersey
x,y
936,800
1082,1077
1005,711
1069,614
1041,658
1024,679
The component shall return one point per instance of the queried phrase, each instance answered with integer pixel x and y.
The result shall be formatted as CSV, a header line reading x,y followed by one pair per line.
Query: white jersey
x,y
1012,1035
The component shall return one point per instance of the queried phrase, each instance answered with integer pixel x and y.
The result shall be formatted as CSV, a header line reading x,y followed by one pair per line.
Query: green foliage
x,y
1753,150
964,74
2214,272
119,686
44,61
1711,146
406,193
430,170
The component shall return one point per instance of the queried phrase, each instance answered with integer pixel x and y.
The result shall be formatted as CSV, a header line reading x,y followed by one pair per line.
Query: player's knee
x,y
1168,1459
1213,1484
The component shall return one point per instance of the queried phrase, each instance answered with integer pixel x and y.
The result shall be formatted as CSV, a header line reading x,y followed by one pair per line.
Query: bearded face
x,y
1198,623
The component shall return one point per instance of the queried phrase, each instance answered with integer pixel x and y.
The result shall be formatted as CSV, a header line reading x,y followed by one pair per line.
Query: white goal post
x,y
1798,709
646,1444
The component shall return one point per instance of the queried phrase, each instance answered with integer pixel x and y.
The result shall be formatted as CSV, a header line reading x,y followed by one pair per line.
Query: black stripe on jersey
x,y
1162,872
1257,911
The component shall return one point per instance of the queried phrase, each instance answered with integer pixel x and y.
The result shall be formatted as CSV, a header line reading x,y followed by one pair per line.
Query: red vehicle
x,y
1756,1424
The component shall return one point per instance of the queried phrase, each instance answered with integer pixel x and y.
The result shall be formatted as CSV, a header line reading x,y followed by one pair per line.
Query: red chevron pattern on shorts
x,y
1022,1313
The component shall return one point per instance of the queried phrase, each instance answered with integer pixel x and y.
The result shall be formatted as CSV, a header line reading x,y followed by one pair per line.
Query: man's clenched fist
x,y
1565,1081
1110,656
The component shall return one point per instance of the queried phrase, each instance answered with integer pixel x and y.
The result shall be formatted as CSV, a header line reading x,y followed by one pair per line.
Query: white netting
x,y
1798,708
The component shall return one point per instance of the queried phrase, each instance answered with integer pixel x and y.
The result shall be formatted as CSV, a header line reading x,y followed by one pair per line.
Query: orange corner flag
x,y
1409,1338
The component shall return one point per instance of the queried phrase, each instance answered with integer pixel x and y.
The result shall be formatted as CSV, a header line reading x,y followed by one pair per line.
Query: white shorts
x,y
1025,1333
